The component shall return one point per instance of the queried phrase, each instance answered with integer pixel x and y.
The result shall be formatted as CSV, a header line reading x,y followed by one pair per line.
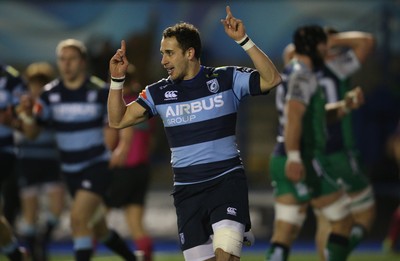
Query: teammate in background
x,y
33,177
391,242
130,162
75,106
347,51
198,106
298,166
11,87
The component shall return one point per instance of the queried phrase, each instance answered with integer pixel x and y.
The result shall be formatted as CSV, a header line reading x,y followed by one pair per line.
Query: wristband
x,y
246,43
117,83
28,120
294,156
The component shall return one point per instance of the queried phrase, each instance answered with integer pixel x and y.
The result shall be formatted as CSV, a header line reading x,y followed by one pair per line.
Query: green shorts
x,y
317,182
347,171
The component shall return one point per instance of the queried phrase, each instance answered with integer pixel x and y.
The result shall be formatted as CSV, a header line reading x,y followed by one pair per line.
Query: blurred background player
x,y
38,170
11,88
298,165
347,51
76,106
130,162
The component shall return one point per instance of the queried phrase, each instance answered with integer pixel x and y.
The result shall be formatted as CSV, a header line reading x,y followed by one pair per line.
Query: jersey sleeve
x,y
344,64
301,87
146,101
246,81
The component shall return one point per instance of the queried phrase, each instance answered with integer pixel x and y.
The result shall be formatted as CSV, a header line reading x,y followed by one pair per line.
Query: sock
x,y
114,242
52,222
358,233
12,251
337,248
83,254
277,252
83,248
16,255
145,244
29,240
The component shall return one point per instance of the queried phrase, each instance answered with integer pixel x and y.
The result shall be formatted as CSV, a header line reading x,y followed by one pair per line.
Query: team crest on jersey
x,y
91,96
213,85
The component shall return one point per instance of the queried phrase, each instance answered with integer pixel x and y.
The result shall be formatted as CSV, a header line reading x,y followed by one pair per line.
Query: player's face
x,y
70,64
174,60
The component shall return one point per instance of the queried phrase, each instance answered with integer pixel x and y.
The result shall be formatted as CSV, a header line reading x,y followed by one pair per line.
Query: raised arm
x,y
234,28
121,115
362,43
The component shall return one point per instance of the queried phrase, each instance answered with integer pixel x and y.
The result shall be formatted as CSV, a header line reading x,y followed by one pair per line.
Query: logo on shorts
x,y
231,211
182,238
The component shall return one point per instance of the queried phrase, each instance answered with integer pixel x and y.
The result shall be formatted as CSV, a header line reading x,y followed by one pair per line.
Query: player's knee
x,y
292,214
337,210
228,237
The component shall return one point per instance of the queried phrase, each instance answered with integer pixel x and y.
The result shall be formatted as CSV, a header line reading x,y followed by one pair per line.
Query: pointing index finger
x,y
123,46
228,11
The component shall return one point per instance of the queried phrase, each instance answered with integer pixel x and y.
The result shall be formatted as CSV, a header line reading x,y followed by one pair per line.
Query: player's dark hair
x,y
187,36
306,39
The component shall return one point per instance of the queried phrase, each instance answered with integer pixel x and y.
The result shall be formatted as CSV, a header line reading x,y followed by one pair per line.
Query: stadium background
x,y
30,30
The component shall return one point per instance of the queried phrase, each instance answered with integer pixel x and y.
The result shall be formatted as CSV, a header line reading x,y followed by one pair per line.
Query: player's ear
x,y
190,53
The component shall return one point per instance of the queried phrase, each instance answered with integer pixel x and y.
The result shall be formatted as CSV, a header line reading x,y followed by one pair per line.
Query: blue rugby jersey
x,y
199,116
78,118
43,147
11,88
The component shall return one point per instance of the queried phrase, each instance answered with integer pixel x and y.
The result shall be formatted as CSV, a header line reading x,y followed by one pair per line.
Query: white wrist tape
x,y
246,43
28,120
294,156
117,83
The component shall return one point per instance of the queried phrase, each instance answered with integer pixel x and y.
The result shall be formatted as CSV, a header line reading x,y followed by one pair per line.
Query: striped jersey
x,y
78,118
301,84
199,117
335,82
11,88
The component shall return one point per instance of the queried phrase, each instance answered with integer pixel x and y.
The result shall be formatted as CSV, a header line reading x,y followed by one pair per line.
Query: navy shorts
x,y
7,168
129,186
37,171
198,206
96,178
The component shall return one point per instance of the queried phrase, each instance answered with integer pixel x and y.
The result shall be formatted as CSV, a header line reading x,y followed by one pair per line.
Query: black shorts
x,y
96,178
37,171
7,168
198,206
129,186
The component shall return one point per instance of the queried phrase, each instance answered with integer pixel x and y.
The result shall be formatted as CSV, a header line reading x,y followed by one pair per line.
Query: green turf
x,y
248,257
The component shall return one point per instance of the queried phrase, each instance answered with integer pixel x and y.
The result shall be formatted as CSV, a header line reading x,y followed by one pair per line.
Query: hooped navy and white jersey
x,y
11,88
335,82
78,118
199,116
